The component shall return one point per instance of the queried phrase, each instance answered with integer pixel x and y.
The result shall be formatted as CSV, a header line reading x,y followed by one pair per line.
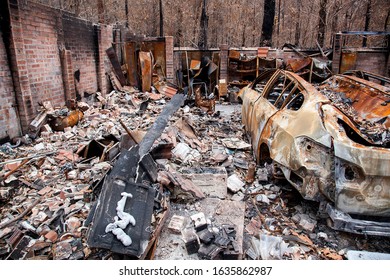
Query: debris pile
x,y
313,68
194,188
48,187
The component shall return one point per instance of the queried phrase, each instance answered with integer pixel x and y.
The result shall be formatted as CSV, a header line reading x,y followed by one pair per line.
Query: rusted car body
x,y
384,81
330,141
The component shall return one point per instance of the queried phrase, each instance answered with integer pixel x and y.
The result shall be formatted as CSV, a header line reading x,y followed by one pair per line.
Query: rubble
x,y
196,178
364,255
211,180
176,223
271,247
234,183
304,221
191,241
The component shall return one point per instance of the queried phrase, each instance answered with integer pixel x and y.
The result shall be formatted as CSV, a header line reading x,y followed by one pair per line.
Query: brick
x,y
52,236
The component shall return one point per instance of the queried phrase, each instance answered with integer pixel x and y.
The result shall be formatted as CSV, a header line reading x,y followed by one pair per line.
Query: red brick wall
x,y
80,39
9,119
223,72
40,39
45,47
68,75
18,61
170,72
367,59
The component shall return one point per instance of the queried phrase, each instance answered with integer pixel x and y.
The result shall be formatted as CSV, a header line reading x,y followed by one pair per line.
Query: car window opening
x,y
296,102
287,90
259,88
261,80
275,90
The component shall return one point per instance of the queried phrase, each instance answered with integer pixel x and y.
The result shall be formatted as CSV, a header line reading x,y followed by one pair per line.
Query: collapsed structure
x,y
149,158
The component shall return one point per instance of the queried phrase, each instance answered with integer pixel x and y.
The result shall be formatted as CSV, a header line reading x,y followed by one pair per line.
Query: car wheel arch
x,y
264,154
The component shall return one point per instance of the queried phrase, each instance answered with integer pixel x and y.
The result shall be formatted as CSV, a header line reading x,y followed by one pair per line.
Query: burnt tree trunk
x,y
335,19
75,6
279,19
387,25
367,22
254,25
161,19
127,12
297,28
387,21
203,27
268,23
322,23
179,28
100,6
243,37
387,41
155,24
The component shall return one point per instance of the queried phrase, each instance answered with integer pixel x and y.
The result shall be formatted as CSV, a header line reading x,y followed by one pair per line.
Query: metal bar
x,y
127,131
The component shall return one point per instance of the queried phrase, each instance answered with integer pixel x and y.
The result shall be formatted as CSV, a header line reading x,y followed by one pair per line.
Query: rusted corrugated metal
x,y
195,64
348,61
156,49
234,54
206,104
146,65
296,65
131,63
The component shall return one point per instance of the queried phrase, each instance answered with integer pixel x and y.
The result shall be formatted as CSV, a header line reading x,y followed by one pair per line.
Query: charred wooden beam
x,y
116,65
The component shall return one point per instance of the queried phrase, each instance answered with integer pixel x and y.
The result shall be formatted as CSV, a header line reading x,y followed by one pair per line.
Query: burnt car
x,y
331,141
